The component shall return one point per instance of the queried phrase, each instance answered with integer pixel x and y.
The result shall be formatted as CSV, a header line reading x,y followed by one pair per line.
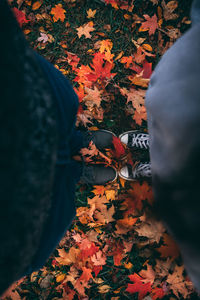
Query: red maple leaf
x,y
158,293
138,286
20,16
151,24
97,269
101,68
118,147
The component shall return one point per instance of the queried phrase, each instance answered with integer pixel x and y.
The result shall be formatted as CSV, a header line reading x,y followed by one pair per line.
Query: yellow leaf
x,y
128,265
104,289
36,5
147,47
60,278
119,55
27,31
91,13
127,17
110,194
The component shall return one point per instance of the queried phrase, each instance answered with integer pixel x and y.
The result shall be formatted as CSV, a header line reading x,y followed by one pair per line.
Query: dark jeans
x,y
68,171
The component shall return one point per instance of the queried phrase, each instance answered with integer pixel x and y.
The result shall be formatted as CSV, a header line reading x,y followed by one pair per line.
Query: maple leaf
x,y
114,3
178,284
119,149
139,55
99,190
58,13
98,259
91,13
104,215
73,61
85,30
140,193
67,258
168,10
170,248
125,225
110,194
101,68
93,97
136,97
162,267
105,45
150,24
148,275
43,37
90,151
86,275
138,286
158,293
152,230
139,116
20,16
127,60
83,117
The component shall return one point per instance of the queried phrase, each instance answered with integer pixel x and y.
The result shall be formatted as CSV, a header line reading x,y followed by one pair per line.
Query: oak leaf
x,y
150,24
85,30
58,13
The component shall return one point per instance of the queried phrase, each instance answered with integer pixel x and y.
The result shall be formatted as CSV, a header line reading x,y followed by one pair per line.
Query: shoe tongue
x,y
130,171
130,139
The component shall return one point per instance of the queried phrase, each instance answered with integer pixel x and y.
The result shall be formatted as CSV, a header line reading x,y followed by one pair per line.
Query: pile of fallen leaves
x,y
108,49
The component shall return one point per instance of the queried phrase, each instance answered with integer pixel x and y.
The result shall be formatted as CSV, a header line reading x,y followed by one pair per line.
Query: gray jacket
x,y
173,109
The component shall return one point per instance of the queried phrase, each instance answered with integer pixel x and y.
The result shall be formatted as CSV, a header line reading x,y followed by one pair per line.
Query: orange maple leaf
x,y
85,30
86,275
58,12
105,45
150,24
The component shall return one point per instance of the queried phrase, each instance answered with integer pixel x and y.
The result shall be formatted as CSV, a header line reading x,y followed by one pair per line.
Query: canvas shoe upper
x,y
135,139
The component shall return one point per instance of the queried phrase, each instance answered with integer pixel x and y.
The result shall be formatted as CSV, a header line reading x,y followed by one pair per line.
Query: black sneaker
x,y
98,174
128,172
101,138
135,139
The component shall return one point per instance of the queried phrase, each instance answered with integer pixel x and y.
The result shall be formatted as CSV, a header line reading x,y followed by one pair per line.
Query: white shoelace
x,y
142,170
140,140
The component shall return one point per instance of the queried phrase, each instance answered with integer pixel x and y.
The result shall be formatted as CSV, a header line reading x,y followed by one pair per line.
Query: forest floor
x,y
108,49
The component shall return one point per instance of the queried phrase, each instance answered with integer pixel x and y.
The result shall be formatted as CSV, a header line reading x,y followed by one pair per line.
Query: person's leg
x,y
173,110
